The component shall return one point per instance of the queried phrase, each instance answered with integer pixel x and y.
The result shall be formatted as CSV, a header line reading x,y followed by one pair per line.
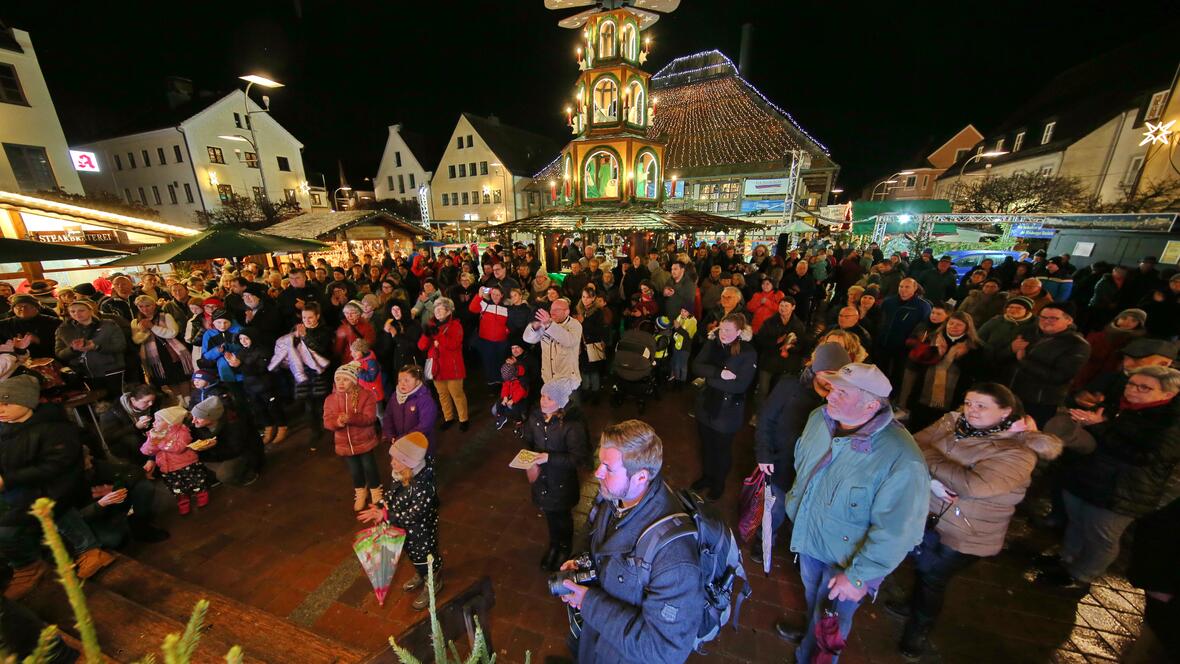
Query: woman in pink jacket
x,y
764,303
168,445
351,414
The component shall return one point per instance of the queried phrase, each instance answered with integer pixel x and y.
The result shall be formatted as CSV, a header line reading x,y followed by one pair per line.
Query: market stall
x,y
355,232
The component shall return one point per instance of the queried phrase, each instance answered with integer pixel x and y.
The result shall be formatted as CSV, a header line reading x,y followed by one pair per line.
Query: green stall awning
x,y
898,228
866,210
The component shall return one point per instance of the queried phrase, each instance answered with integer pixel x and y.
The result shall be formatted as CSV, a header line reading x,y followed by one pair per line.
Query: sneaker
x,y
501,422
464,425
446,424
788,633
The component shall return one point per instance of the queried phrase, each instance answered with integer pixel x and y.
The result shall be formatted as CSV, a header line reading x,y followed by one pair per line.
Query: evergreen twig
x,y
43,510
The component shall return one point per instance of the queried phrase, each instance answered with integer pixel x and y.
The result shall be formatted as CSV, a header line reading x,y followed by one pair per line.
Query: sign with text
x,y
768,187
75,237
84,161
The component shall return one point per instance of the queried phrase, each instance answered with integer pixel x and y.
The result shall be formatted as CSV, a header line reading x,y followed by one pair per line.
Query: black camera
x,y
583,574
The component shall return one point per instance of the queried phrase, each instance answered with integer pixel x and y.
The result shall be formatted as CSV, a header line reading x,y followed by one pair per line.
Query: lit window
x,y
1133,169
1000,145
1018,143
1047,135
606,39
647,176
601,177
606,100
289,195
630,41
497,197
225,192
251,159
215,155
258,195
638,104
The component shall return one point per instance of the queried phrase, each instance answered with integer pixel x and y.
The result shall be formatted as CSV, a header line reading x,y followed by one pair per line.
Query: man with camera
x,y
623,619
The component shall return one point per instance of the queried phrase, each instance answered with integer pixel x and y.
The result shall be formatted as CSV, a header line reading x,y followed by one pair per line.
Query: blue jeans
x,y
815,575
680,365
492,354
592,377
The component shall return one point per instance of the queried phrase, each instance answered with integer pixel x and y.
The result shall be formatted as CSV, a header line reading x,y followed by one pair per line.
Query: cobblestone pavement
x,y
284,545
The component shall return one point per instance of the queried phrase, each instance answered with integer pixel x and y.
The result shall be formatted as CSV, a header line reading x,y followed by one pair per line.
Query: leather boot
x,y
25,579
359,496
376,495
202,498
91,561
280,435
183,505
268,435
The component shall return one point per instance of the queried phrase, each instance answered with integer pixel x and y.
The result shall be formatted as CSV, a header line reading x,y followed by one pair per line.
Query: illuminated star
x,y
1158,133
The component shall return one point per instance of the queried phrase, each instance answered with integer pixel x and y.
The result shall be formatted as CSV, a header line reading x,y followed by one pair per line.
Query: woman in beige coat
x,y
981,461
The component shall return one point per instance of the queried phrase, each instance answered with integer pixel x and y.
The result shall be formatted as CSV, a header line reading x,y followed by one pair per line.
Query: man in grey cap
x,y
859,500
781,420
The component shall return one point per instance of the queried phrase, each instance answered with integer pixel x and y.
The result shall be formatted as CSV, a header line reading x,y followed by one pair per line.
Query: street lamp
x,y
338,190
888,180
252,80
980,155
873,196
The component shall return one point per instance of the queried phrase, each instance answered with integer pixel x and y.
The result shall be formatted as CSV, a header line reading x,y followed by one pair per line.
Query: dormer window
x,y
606,40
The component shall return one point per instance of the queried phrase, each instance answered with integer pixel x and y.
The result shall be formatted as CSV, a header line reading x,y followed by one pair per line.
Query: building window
x,y
237,121
389,182
289,195
606,40
397,159
118,162
215,155
131,159
142,196
979,150
147,160
606,100
459,142
401,184
960,153
1047,135
487,197
647,175
176,153
172,194
483,168
10,90
1000,145
497,196
156,194
188,192
412,186
127,195
469,140
251,159
471,168
1155,107
462,170
454,198
224,192
475,198
1133,169
601,176
466,199
910,181
258,195
31,167
719,196
1046,171
248,122
1018,143
925,181
315,200
284,164
444,200
451,171
160,156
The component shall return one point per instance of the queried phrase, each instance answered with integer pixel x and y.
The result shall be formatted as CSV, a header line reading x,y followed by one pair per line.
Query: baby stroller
x,y
634,367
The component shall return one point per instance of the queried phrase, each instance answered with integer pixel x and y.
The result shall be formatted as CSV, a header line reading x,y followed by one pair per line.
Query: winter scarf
x,y
402,397
963,429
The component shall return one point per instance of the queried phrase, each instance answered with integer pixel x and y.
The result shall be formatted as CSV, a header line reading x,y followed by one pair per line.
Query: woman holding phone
x,y
981,460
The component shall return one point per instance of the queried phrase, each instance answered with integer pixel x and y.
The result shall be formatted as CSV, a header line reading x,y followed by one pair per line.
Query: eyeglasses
x,y
1141,388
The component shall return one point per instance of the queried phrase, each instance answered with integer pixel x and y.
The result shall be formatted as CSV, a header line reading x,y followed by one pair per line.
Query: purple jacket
x,y
418,413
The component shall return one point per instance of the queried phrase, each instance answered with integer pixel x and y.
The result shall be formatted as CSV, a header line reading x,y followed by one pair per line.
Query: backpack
x,y
720,560
634,355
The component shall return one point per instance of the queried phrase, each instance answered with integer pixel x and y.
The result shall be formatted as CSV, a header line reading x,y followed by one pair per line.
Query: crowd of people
x,y
899,409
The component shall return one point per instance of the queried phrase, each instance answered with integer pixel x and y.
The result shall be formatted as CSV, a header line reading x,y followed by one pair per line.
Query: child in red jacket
x,y
350,411
168,445
514,393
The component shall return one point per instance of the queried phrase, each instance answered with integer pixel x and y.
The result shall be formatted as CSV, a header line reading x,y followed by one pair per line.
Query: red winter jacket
x,y
348,333
763,305
493,319
443,343
359,433
514,389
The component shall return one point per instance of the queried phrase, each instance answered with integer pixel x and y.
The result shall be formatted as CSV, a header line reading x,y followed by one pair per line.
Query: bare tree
x,y
246,213
1153,196
1022,193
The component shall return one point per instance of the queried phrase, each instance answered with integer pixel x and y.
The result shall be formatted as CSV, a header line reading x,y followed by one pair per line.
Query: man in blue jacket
x,y
624,620
859,500
899,315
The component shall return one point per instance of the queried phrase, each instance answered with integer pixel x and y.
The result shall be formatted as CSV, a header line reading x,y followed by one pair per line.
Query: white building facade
x,y
34,155
230,146
402,169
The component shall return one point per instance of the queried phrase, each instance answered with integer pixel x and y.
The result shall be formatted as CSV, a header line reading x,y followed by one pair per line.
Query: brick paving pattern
x,y
284,545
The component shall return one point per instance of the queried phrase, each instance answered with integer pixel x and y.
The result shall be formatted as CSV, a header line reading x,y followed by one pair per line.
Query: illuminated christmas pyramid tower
x,y
612,159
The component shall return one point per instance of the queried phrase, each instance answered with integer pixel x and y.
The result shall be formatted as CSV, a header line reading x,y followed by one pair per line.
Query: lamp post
x,y
980,155
337,191
251,81
242,139
888,180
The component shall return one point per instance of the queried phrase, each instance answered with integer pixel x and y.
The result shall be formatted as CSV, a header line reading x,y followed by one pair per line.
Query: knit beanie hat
x,y
206,376
1022,301
507,372
209,409
86,290
23,390
221,314
410,450
1138,314
829,357
348,371
559,391
172,414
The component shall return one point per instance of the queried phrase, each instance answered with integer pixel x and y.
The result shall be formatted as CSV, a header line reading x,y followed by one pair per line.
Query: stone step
x,y
135,606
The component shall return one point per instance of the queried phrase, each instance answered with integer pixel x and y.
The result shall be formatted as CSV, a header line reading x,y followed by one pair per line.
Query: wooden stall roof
x,y
624,219
320,224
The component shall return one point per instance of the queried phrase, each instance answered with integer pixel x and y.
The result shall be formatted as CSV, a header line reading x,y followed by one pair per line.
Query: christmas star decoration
x,y
1160,133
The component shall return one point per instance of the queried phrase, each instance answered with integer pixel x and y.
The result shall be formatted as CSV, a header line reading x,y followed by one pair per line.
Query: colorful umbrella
x,y
379,548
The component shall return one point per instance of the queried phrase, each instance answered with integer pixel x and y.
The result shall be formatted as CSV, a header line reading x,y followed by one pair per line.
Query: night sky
x,y
875,84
